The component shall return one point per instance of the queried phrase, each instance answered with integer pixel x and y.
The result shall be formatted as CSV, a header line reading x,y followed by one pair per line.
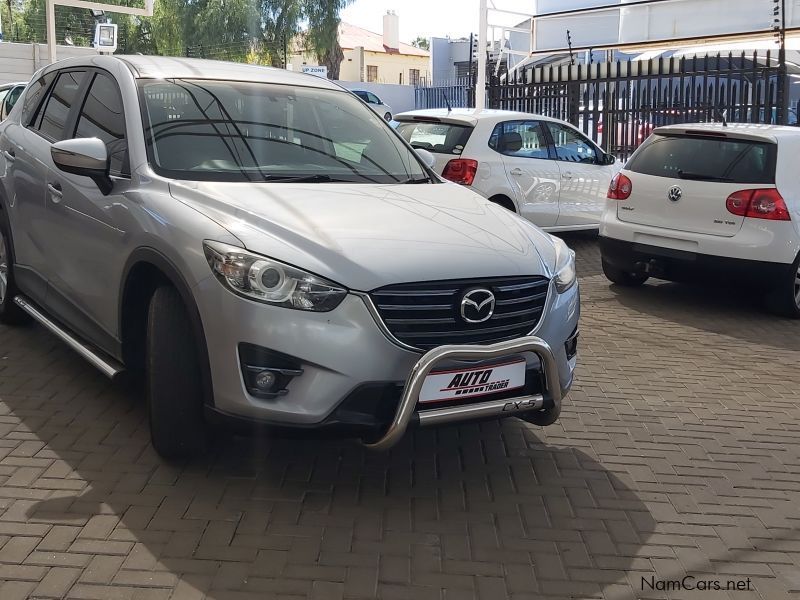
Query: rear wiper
x,y
701,177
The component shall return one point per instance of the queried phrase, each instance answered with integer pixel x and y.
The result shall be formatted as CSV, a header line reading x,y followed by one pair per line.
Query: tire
x,y
621,277
388,116
10,313
784,300
504,202
174,390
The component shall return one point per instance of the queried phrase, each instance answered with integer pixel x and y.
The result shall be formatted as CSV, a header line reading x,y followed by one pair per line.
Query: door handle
x,y
567,175
517,172
9,154
55,192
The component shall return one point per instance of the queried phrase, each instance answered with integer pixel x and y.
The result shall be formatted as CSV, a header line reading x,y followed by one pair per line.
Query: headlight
x,y
565,274
269,281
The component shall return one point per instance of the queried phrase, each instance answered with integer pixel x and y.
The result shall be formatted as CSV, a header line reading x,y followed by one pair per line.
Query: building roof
x,y
351,37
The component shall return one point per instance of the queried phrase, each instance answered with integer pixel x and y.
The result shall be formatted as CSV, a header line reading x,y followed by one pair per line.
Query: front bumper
x,y
407,408
354,377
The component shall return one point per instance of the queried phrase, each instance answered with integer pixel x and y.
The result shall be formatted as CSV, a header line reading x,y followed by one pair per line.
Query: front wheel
x,y
174,388
784,300
388,116
622,277
10,313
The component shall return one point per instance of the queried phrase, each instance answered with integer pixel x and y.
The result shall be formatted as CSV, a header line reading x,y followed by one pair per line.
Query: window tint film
x,y
524,139
706,159
61,99
102,117
242,131
441,138
33,97
571,146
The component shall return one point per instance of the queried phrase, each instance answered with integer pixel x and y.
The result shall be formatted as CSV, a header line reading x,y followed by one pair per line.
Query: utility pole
x,y
783,96
471,81
480,86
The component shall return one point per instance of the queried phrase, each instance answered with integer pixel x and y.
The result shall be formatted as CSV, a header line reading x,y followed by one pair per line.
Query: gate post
x,y
573,102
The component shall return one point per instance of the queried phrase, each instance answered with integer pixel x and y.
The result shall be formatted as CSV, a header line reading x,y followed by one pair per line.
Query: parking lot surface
x,y
677,454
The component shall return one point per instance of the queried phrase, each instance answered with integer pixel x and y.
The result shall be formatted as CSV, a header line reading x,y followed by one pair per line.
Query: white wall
x,y
400,97
19,61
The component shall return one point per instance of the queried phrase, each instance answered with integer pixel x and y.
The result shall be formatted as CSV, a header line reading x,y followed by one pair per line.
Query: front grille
x,y
427,315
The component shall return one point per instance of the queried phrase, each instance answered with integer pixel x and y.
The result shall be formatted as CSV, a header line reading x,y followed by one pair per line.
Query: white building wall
x,y
19,61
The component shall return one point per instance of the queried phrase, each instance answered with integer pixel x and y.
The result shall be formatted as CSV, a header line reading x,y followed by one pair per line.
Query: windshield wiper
x,y
423,180
701,177
318,178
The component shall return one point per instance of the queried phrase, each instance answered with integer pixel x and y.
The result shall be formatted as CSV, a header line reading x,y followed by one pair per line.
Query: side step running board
x,y
107,366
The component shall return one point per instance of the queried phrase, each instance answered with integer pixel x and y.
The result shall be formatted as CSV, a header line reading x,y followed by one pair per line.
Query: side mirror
x,y
609,159
426,157
87,157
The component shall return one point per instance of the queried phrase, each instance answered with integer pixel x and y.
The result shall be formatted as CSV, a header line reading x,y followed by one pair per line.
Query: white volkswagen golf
x,y
541,168
709,201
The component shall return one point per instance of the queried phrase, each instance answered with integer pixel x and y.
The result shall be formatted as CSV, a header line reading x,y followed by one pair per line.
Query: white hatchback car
x,y
696,202
544,169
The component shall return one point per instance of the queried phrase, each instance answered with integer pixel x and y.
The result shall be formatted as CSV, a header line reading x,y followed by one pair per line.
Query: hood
x,y
366,236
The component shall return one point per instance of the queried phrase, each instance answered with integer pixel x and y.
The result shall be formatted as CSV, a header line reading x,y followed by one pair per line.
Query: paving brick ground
x,y
677,454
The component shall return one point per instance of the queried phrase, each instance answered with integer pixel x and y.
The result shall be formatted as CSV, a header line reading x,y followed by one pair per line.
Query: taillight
x,y
461,170
758,204
620,188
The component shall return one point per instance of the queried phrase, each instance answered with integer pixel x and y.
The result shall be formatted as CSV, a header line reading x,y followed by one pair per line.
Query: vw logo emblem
x,y
477,305
675,193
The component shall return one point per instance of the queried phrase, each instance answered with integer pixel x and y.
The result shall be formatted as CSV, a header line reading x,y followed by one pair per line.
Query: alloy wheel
x,y
797,288
3,268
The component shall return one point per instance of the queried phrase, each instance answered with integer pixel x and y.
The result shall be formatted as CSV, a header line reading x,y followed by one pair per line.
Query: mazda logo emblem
x,y
477,305
675,193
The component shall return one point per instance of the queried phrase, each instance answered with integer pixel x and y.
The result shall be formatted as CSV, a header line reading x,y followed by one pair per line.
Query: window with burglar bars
x,y
413,77
372,73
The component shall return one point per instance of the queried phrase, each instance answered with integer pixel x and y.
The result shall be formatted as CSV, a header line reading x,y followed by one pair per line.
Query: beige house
x,y
375,57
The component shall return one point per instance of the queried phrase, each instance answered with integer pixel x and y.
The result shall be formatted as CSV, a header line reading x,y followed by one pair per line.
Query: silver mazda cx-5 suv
x,y
260,247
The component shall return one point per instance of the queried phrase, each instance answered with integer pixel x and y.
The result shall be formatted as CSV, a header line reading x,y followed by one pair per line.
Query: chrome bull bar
x,y
508,406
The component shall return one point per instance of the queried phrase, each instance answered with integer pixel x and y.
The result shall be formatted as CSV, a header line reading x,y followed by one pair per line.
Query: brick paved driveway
x,y
677,453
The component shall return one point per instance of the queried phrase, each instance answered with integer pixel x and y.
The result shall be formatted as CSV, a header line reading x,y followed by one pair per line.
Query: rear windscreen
x,y
706,159
442,138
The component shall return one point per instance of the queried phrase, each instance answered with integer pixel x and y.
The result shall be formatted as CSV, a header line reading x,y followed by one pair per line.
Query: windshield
x,y
244,131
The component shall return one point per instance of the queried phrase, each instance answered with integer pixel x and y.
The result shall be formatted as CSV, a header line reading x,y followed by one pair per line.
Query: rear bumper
x,y
680,265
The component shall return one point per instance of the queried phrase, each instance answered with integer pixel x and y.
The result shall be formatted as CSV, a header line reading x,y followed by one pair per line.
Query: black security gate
x,y
618,104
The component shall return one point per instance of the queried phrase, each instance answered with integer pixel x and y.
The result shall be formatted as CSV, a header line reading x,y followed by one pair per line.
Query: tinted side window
x,y
34,95
363,95
571,146
523,139
102,117
56,110
373,99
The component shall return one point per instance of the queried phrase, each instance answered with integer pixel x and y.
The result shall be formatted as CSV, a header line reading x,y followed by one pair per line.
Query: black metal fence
x,y
618,104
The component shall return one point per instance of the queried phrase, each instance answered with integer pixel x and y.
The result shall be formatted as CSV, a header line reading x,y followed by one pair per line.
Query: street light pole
x,y
480,86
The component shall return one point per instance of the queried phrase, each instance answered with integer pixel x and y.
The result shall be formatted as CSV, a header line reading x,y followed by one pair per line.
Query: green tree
x,y
322,37
421,42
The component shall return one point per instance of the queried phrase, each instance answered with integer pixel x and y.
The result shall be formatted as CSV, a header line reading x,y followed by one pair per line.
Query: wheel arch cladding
x,y
145,271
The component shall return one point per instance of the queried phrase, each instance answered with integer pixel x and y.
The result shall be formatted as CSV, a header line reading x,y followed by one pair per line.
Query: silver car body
x,y
75,251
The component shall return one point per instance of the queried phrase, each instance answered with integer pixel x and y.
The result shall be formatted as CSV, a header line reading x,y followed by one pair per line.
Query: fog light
x,y
265,380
